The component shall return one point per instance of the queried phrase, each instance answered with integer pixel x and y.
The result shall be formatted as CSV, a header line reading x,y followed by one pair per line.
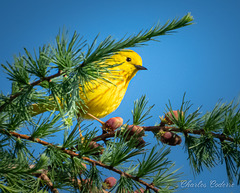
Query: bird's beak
x,y
139,67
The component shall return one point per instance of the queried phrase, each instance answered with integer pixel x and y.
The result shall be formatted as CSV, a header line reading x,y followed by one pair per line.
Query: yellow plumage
x,y
102,98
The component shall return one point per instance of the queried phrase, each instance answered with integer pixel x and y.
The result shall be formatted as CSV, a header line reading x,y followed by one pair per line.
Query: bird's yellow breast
x,y
105,98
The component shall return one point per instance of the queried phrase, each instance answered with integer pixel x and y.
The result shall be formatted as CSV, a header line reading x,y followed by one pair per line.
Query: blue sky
x,y
201,60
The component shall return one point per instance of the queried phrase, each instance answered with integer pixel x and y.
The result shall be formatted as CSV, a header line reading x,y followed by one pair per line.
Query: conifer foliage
x,y
33,159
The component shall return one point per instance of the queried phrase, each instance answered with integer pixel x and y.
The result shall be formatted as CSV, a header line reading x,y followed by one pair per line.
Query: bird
x,y
103,97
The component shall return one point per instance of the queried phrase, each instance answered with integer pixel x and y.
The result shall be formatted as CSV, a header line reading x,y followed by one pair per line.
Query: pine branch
x,y
109,45
206,144
68,57
221,137
73,154
38,82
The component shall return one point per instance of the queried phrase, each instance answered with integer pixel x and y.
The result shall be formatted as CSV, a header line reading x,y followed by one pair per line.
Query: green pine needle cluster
x,y
120,151
218,137
16,173
139,112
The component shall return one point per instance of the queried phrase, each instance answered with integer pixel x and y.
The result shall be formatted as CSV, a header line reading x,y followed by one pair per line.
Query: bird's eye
x,y
128,59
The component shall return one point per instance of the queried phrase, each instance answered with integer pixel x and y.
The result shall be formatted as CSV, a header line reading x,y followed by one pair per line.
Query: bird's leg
x,y
97,119
79,129
103,125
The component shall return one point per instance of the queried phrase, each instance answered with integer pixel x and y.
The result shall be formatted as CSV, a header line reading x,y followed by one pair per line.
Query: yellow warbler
x,y
102,98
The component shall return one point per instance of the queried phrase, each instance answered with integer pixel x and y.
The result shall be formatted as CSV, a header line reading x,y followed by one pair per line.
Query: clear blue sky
x,y
201,60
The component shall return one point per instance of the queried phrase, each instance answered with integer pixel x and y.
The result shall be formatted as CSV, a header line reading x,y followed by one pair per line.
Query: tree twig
x,y
167,128
46,179
43,175
188,131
